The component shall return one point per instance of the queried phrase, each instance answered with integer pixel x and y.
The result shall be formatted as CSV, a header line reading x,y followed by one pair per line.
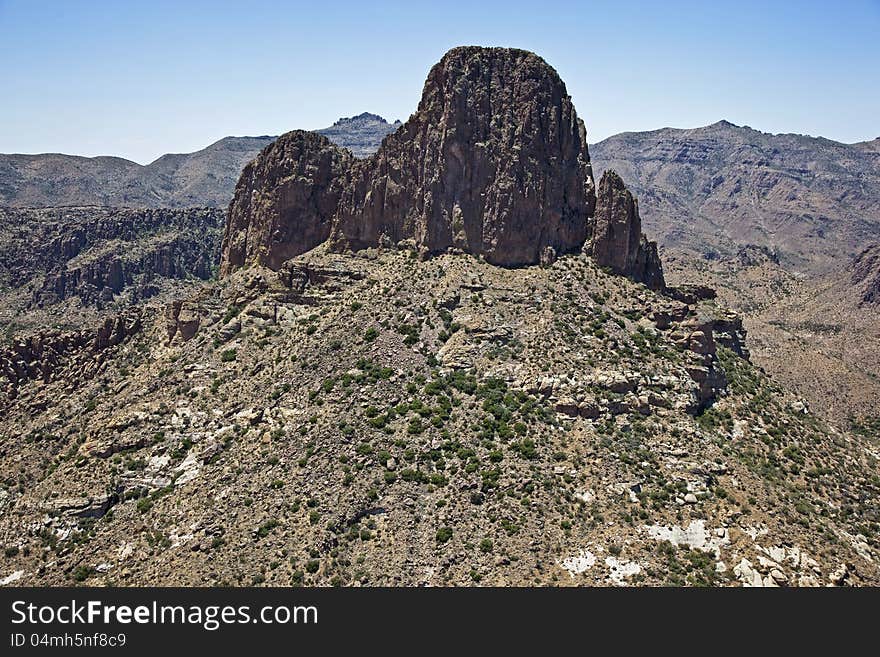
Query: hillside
x,y
438,422
773,223
817,336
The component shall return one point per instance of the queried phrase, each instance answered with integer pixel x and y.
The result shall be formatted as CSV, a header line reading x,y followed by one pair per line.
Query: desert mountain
x,y
713,190
747,213
424,386
360,134
204,178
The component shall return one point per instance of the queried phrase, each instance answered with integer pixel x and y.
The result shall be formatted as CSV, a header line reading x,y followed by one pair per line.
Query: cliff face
x,y
493,163
285,200
53,354
98,253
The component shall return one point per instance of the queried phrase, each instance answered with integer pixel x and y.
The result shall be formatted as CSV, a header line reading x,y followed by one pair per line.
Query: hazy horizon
x,y
138,80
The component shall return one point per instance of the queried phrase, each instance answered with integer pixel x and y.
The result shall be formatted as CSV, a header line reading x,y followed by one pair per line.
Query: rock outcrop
x,y
866,274
50,355
182,319
285,201
493,163
617,241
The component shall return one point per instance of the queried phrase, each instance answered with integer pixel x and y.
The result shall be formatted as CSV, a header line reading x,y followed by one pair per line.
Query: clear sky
x,y
141,78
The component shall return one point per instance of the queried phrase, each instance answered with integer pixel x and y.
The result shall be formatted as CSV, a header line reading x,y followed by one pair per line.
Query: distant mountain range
x,y
204,178
716,189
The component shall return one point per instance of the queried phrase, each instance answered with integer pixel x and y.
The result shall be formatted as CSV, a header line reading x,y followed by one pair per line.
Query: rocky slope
x,y
865,275
818,336
64,265
438,422
772,222
204,178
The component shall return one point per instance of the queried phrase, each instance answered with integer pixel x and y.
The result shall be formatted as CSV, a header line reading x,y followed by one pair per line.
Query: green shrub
x,y
267,527
82,573
444,534
231,312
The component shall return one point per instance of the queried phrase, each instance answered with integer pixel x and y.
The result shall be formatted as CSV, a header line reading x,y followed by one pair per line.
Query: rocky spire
x,y
494,162
284,201
617,241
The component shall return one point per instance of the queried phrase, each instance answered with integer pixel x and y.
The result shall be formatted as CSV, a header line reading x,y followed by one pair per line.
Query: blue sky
x,y
139,79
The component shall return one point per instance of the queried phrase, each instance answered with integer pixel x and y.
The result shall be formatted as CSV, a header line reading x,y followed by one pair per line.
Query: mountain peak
x,y
363,117
723,123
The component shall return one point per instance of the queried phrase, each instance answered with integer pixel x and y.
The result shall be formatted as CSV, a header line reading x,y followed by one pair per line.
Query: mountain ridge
x,y
713,189
139,193
175,180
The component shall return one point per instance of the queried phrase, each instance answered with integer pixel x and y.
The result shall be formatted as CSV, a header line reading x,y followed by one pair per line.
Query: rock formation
x,y
617,241
494,163
284,201
866,274
70,355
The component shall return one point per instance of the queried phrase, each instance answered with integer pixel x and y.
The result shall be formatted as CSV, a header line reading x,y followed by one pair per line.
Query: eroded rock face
x,y
97,253
284,201
494,163
866,274
49,355
617,241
